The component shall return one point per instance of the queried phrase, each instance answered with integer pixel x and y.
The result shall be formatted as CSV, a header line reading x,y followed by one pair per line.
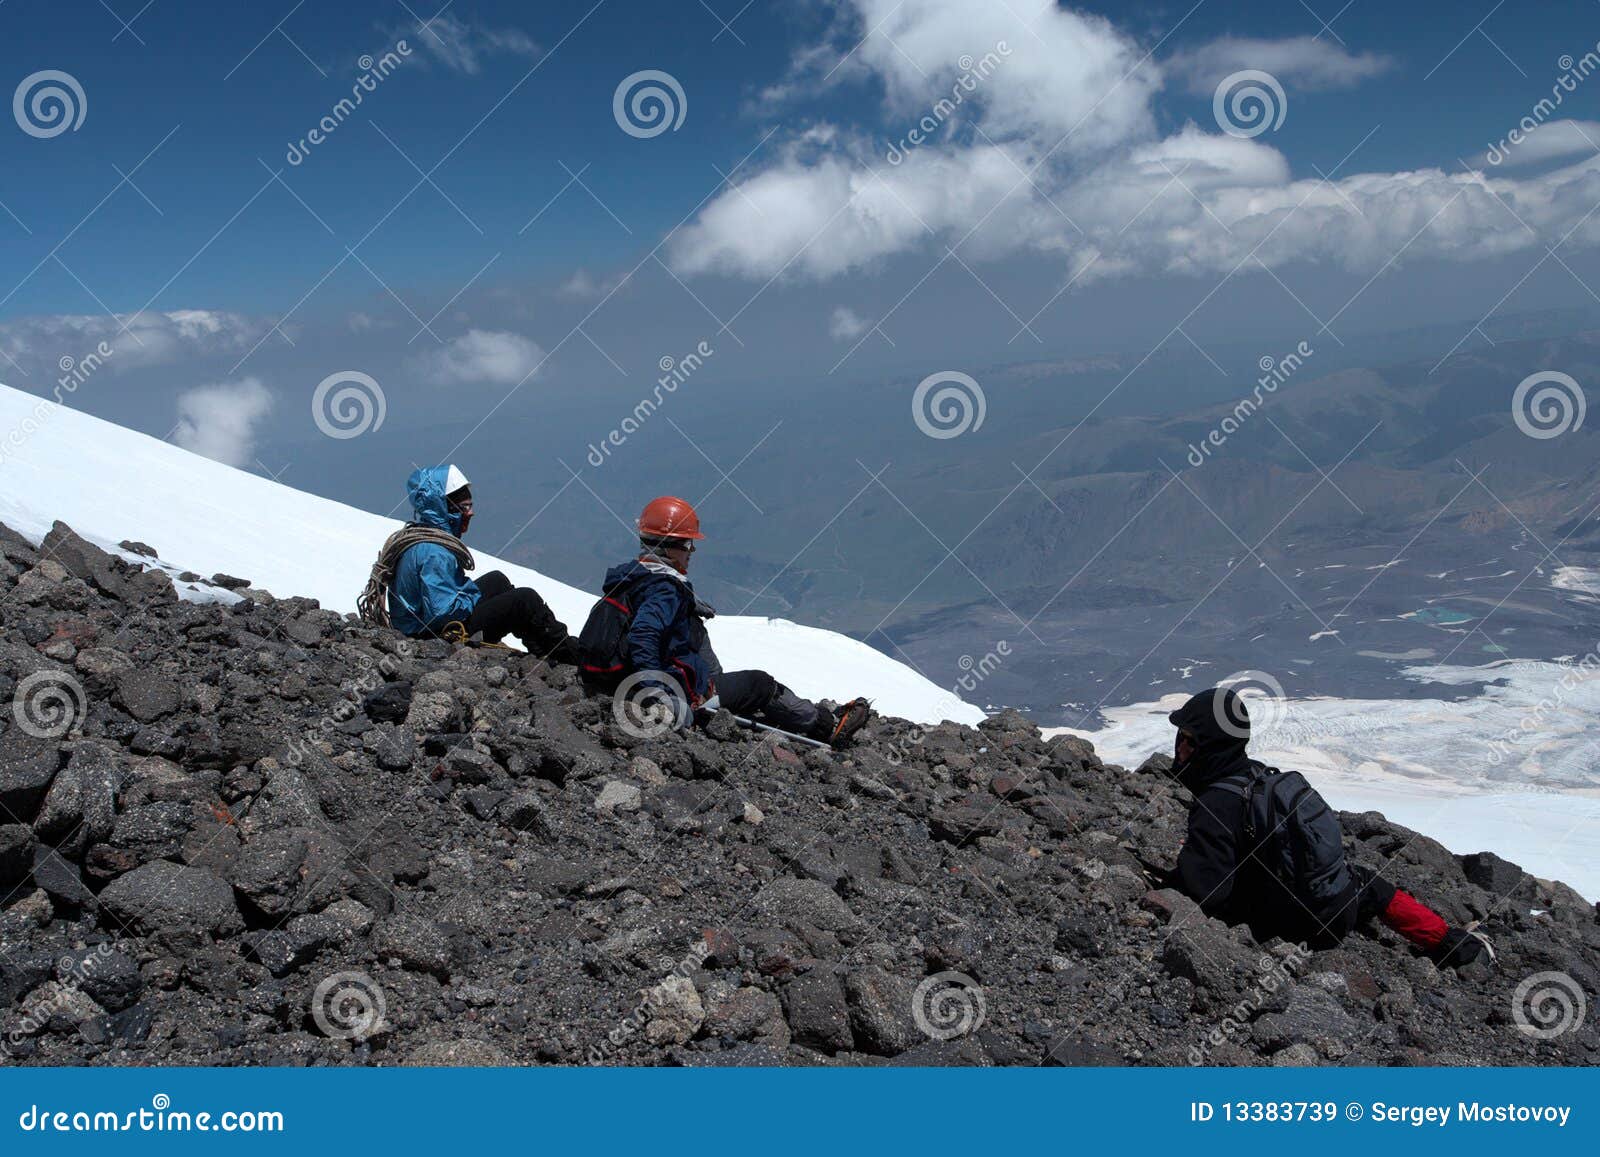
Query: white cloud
x,y
143,339
1540,143
1034,68
484,356
461,46
219,421
1300,63
584,284
1057,151
844,325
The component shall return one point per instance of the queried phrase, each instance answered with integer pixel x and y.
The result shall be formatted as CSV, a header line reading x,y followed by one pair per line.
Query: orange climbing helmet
x,y
668,517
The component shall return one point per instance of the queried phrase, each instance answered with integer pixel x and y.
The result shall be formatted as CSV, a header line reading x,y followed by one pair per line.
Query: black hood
x,y
1221,726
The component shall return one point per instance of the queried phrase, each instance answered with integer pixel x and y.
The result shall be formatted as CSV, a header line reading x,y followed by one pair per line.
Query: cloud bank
x,y
1057,150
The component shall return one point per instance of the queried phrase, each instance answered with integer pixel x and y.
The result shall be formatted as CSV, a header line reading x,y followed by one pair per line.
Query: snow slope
x,y
112,484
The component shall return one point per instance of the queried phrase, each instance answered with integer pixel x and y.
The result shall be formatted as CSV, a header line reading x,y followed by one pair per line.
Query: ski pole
x,y
751,723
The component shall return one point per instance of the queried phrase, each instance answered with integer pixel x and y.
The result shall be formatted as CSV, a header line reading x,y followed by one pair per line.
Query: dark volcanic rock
x,y
163,895
818,1013
60,878
27,765
279,806
16,854
146,695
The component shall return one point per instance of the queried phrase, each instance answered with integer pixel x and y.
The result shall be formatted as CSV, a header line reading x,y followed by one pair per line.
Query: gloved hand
x,y
661,709
1462,946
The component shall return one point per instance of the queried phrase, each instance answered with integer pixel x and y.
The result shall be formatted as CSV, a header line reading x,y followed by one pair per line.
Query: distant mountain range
x,y
1080,531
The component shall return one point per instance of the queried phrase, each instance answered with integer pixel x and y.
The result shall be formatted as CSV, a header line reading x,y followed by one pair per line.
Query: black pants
x,y
757,695
506,610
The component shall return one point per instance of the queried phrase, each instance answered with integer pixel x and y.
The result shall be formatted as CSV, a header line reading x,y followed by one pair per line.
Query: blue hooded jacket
x,y
430,588
664,634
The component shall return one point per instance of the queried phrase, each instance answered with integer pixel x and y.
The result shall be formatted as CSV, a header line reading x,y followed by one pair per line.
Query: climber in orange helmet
x,y
649,619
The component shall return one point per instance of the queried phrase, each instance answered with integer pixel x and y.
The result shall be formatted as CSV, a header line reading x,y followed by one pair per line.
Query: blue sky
x,y
1085,199
235,100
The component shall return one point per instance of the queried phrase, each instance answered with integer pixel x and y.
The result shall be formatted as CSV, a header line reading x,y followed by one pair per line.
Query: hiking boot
x,y
852,717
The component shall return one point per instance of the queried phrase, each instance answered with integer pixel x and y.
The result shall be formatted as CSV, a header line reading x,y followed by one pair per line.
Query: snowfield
x,y
112,484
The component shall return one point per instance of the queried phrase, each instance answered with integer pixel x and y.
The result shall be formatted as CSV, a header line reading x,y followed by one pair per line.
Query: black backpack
x,y
603,642
1294,835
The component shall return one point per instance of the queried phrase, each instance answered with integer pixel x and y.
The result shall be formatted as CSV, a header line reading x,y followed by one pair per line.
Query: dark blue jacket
x,y
664,633
430,588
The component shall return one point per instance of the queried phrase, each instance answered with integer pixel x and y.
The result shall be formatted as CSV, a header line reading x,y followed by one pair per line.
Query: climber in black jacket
x,y
1227,873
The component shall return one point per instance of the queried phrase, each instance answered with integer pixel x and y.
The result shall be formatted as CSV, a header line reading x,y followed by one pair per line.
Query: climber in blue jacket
x,y
420,579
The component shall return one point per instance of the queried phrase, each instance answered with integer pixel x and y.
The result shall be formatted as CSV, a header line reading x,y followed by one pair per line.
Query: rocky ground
x,y
261,833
